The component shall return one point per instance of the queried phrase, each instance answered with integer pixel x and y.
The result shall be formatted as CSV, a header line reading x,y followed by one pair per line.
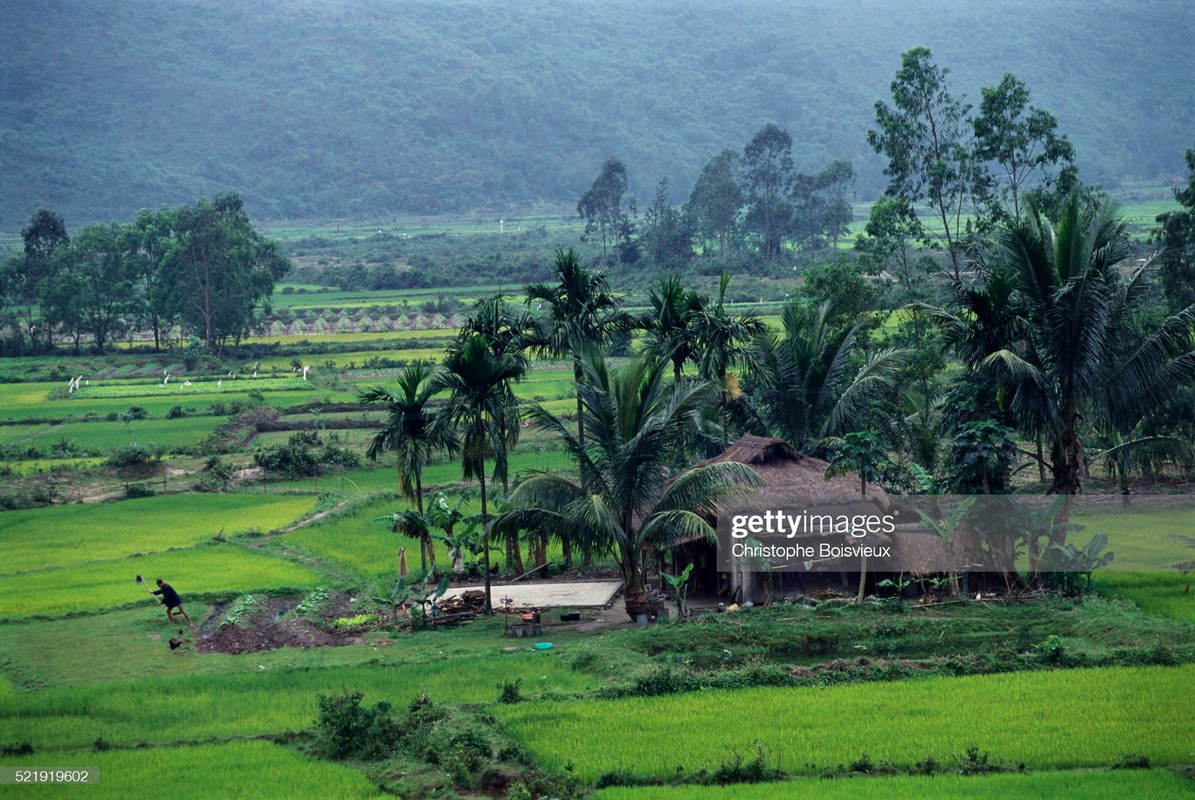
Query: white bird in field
x,y
305,372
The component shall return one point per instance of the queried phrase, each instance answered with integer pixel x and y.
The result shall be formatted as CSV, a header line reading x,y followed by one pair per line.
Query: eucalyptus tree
x,y
413,432
477,381
601,206
632,504
666,236
92,284
149,238
714,204
804,380
926,138
25,275
1022,145
767,180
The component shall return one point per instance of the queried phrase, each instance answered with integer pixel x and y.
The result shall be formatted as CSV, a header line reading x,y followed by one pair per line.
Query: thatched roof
x,y
787,472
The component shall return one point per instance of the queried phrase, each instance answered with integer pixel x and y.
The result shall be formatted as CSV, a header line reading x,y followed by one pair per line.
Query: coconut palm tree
x,y
413,432
478,383
803,381
1080,363
582,311
632,504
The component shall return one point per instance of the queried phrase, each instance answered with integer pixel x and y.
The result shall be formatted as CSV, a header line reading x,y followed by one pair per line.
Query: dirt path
x,y
303,558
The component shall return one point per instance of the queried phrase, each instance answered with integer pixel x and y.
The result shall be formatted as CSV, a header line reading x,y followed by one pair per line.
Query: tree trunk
x,y
485,540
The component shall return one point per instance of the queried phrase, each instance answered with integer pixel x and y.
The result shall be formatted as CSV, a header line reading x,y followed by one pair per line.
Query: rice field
x,y
206,569
77,534
1088,785
233,770
1047,720
270,700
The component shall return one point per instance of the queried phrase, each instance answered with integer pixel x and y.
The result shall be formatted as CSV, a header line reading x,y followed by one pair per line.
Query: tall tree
x,y
768,175
715,202
1176,232
820,206
97,268
149,239
665,235
632,505
476,380
43,237
601,206
413,432
1021,143
220,269
925,136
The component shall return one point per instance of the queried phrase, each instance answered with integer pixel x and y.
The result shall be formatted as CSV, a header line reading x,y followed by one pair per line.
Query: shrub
x,y
129,456
510,691
133,414
345,729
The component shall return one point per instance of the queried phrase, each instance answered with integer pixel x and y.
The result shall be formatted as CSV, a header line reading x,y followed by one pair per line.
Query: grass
x,y
73,535
232,770
1088,785
1161,594
1050,720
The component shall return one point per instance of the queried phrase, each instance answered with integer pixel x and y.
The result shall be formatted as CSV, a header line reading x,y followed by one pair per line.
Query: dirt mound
x,y
286,633
269,629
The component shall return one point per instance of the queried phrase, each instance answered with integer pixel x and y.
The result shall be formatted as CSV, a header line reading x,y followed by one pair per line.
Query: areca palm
x,y
478,382
506,333
413,432
582,311
803,378
720,337
632,503
1080,363
669,324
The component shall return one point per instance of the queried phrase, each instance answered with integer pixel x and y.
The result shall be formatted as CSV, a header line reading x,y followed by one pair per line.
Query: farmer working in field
x,y
171,600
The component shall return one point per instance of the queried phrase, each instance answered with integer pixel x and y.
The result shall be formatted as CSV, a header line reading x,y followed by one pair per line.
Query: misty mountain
x,y
363,108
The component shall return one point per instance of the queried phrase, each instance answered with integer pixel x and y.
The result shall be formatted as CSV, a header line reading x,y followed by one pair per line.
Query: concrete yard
x,y
578,594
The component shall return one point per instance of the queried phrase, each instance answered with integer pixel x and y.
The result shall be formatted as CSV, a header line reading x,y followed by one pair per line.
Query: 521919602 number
x,y
49,775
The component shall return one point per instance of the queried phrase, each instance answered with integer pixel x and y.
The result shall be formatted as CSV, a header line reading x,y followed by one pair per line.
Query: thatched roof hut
x,y
788,473
790,477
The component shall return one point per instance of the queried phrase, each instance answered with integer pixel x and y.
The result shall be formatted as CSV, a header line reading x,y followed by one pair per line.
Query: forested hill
x,y
361,108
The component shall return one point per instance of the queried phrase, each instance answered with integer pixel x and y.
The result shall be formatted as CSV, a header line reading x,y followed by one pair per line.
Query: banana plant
x,y
680,585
